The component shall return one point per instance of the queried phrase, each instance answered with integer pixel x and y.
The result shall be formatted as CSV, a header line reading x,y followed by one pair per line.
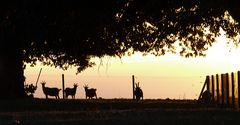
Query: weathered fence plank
x,y
213,87
233,90
224,89
217,86
227,90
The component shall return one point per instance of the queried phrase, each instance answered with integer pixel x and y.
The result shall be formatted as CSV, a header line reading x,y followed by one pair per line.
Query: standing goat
x,y
50,91
138,92
90,93
71,91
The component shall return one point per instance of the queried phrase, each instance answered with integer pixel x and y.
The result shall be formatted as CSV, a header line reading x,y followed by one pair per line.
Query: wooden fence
x,y
224,89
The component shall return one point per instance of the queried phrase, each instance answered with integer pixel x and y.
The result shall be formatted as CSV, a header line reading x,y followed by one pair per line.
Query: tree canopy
x,y
158,26
65,33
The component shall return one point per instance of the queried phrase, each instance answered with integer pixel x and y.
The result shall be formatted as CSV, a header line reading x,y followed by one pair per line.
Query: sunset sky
x,y
169,76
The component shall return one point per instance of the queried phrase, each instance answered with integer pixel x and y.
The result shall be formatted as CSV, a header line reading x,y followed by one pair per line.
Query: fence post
x,y
204,85
63,86
208,83
227,90
133,86
233,90
38,76
238,78
213,88
222,87
217,87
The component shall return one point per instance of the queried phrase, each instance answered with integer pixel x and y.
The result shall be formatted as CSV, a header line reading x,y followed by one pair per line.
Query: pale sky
x,y
168,76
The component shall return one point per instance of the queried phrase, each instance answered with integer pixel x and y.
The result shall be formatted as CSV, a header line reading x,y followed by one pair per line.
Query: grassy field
x,y
113,112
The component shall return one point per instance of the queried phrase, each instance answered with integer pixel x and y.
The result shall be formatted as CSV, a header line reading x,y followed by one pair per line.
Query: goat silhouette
x,y
50,91
71,91
138,92
90,93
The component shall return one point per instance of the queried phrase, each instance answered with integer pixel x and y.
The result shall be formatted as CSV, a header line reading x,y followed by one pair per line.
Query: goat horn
x,y
43,82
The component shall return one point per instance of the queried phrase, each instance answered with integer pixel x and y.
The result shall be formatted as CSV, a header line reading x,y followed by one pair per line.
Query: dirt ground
x,y
114,112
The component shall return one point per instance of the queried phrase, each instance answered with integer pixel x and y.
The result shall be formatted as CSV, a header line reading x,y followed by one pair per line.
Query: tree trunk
x,y
12,38
11,65
11,75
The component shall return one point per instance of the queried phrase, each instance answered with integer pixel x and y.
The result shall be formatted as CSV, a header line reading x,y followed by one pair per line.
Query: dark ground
x,y
114,112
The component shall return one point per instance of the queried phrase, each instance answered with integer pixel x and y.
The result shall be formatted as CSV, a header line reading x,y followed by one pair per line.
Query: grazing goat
x,y
71,91
50,91
90,93
138,92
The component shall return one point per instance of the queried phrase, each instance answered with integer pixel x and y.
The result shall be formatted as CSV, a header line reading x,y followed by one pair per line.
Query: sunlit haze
x,y
168,76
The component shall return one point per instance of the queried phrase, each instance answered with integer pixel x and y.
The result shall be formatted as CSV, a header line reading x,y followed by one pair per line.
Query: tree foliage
x,y
65,33
185,26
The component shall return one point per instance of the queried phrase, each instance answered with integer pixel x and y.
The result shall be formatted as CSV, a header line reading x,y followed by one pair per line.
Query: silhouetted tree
x,y
59,33
157,27
65,33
